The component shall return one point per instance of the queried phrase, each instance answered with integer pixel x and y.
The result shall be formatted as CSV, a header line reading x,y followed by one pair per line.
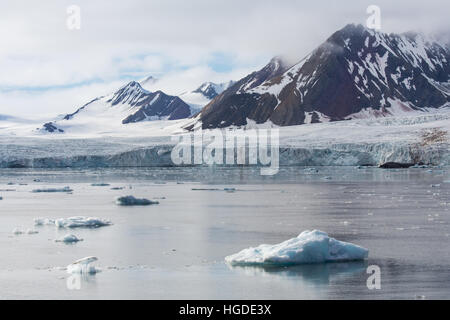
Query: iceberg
x,y
74,222
65,189
132,201
83,266
309,247
69,238
17,231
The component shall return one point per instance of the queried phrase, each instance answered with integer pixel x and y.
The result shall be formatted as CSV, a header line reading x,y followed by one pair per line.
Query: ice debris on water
x,y
83,266
69,238
74,222
17,231
65,189
309,247
132,201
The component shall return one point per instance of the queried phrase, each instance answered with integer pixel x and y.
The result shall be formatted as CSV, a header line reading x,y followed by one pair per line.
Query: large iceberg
x,y
309,247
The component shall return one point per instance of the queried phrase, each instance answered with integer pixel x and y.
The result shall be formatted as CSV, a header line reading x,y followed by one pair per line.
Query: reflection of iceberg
x,y
309,247
315,273
73,222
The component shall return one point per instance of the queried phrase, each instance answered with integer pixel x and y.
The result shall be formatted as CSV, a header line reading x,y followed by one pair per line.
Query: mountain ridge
x,y
356,72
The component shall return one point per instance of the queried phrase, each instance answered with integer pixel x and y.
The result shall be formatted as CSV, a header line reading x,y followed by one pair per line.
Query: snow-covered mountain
x,y
356,73
203,95
129,104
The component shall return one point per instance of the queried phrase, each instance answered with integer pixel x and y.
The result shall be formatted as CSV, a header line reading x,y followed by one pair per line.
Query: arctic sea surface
x,y
176,249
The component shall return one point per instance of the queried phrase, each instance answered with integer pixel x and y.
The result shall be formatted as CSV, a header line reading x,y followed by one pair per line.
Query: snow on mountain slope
x,y
357,72
201,96
129,104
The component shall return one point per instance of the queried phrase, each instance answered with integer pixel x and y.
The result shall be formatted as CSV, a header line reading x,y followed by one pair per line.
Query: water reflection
x,y
321,273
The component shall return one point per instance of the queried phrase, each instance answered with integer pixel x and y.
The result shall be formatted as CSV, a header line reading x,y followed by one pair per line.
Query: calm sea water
x,y
176,250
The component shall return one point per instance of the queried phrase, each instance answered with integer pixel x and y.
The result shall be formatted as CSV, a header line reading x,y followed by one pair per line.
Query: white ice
x,y
132,201
65,189
73,222
69,238
309,247
83,266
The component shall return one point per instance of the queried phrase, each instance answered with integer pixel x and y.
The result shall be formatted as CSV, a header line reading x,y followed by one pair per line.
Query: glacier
x,y
309,247
404,139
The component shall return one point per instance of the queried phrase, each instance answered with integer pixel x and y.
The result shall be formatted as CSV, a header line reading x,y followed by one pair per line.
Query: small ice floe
x,y
309,247
420,166
65,189
132,201
32,231
83,266
100,184
69,238
17,231
74,222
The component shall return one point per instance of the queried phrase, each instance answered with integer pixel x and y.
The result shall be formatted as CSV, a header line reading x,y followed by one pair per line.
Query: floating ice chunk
x,y
83,266
132,201
74,222
43,221
100,184
65,189
69,238
310,170
309,247
17,231
80,222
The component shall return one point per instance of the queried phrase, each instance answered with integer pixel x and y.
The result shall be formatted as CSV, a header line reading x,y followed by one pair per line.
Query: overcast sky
x,y
47,69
